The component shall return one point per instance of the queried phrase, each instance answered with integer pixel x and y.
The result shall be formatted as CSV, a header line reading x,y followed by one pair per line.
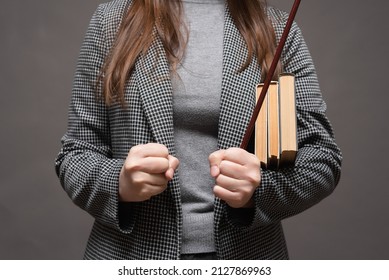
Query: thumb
x,y
173,164
214,161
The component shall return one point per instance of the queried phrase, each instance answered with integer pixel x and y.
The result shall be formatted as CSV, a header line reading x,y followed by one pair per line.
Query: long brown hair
x,y
134,38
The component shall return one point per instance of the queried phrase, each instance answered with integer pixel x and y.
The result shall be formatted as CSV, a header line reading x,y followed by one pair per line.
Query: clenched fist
x,y
145,173
237,174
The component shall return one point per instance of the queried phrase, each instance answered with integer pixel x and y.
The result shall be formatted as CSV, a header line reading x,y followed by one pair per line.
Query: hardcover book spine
x,y
273,126
260,143
288,120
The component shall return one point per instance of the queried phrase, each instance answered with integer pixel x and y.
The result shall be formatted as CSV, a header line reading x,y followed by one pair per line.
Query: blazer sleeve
x,y
85,166
317,169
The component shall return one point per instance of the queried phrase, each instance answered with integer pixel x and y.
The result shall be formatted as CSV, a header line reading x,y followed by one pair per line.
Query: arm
x,y
317,168
85,166
287,192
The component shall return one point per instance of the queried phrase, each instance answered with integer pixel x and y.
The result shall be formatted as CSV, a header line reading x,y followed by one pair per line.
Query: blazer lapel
x,y
237,100
237,103
238,88
153,79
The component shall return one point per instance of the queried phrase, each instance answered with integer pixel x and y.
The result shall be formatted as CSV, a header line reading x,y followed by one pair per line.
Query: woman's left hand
x,y
237,174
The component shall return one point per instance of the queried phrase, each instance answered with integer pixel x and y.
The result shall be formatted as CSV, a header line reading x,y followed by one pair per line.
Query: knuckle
x,y
234,152
176,161
126,167
217,155
164,150
138,181
220,180
254,178
164,164
223,167
135,149
212,157
132,166
257,162
246,192
239,196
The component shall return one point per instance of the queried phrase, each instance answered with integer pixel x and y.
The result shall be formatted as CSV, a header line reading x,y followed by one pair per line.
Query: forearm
x,y
90,178
316,172
290,191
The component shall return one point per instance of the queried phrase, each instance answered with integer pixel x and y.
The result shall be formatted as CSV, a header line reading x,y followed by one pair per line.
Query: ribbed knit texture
x,y
196,103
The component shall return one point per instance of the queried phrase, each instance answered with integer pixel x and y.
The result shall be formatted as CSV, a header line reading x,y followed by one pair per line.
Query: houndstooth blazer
x,y
99,137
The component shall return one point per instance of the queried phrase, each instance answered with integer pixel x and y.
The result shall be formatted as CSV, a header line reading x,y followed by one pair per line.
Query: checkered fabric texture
x,y
99,137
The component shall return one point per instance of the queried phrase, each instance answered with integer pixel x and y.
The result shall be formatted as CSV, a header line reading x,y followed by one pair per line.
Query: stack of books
x,y
276,125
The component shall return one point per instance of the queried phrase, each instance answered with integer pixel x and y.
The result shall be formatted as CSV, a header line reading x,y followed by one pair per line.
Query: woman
x,y
163,82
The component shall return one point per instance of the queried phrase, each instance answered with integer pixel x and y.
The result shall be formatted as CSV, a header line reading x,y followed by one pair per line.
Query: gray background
x,y
40,41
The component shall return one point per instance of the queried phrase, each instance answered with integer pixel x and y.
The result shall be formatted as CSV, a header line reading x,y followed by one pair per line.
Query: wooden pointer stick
x,y
269,75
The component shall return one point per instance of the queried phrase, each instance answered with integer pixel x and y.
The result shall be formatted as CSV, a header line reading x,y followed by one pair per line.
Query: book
x,y
260,143
273,126
288,120
276,125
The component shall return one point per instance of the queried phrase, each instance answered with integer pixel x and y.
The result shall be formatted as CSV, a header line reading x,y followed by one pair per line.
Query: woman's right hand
x,y
145,173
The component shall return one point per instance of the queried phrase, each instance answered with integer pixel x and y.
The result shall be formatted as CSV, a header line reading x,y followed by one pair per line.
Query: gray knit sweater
x,y
196,98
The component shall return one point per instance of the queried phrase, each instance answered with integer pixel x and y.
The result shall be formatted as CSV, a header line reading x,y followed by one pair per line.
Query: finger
x,y
229,183
173,164
150,190
153,190
250,173
214,161
240,156
234,199
152,165
150,150
232,169
143,179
